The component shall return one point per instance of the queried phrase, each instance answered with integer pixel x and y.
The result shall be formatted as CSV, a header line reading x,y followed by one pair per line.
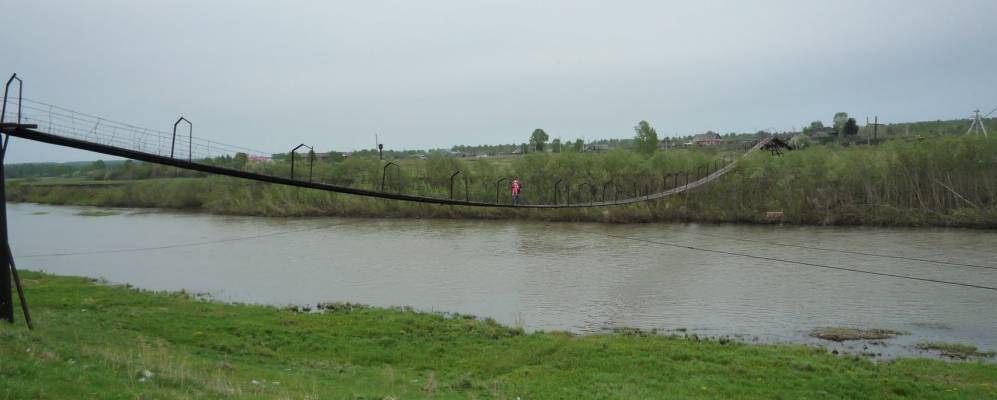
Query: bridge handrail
x,y
116,146
3,109
398,174
190,138
467,192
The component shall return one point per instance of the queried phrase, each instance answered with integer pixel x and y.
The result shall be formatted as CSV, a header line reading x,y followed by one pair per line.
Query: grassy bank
x,y
945,181
98,341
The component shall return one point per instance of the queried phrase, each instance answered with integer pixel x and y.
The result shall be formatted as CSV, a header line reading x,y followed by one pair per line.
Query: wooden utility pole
x,y
875,129
380,148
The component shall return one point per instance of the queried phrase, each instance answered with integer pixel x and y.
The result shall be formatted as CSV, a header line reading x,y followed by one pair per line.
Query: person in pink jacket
x,y
515,191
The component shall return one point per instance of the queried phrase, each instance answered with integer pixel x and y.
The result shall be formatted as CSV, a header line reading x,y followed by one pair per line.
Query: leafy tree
x,y
813,127
98,170
127,171
799,141
646,140
538,139
850,128
482,149
840,119
240,160
555,145
579,145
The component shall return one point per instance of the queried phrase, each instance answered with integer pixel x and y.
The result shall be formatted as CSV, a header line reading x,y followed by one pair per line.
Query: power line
x,y
959,264
173,246
730,253
991,112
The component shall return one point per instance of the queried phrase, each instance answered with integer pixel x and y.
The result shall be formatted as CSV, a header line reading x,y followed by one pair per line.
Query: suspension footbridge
x,y
43,122
47,123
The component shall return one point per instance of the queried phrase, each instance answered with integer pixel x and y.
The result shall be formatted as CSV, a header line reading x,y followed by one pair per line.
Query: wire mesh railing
x,y
72,124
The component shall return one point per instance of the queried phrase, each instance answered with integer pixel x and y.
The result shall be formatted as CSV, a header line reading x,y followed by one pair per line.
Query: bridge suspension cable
x,y
809,264
953,263
180,245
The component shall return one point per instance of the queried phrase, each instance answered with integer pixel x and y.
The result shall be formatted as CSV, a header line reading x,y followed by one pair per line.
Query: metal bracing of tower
x,y
977,127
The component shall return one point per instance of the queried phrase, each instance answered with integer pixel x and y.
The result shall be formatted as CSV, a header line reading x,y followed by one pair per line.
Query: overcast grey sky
x,y
426,74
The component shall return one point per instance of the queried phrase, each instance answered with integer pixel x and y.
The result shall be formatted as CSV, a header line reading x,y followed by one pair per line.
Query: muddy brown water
x,y
575,277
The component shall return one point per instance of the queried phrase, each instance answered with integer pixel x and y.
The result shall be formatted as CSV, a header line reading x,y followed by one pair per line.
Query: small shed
x,y
822,134
597,147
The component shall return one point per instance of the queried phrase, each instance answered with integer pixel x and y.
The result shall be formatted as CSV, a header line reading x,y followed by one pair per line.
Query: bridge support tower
x,y
8,271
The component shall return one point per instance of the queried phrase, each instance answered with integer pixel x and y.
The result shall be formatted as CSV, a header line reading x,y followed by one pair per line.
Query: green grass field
x,y
110,342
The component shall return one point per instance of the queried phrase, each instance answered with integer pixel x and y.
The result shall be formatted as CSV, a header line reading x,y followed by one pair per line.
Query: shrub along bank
x,y
945,181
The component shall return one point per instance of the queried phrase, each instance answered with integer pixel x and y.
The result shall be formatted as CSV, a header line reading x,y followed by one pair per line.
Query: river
x,y
578,277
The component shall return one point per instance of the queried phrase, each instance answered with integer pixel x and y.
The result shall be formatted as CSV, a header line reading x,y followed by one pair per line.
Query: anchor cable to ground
x,y
800,246
178,245
730,253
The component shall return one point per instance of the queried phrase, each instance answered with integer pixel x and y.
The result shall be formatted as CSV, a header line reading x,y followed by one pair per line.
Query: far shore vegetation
x,y
96,213
919,174
94,340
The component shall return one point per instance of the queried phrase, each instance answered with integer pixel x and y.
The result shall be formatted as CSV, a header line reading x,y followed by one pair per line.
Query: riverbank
x,y
94,340
229,196
941,181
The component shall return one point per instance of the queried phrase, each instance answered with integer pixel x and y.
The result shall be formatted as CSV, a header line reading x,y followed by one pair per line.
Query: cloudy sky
x,y
427,74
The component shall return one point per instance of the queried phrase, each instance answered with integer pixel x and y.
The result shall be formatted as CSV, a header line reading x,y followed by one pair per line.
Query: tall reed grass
x,y
949,181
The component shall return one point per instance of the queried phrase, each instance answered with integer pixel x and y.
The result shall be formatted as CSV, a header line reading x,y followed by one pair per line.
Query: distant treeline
x,y
101,170
491,150
47,170
927,128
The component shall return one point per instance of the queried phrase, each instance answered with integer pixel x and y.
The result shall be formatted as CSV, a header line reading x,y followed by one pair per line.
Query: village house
x,y
822,134
597,147
707,139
